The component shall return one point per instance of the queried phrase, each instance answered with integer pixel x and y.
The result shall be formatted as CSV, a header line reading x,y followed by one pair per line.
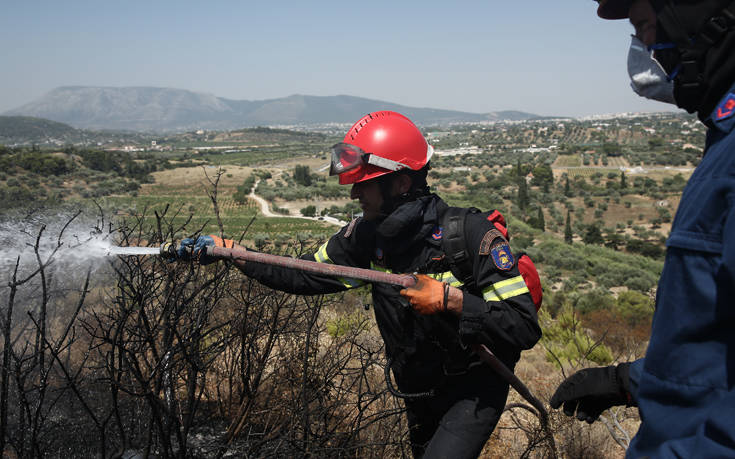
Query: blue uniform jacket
x,y
685,386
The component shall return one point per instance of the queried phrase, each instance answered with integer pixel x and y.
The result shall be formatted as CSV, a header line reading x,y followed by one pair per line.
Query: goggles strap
x,y
384,163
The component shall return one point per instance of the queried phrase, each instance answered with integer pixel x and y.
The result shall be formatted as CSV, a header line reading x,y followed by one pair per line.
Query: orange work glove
x,y
428,296
219,242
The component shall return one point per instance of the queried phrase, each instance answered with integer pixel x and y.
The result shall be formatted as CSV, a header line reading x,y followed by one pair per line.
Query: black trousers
x,y
458,421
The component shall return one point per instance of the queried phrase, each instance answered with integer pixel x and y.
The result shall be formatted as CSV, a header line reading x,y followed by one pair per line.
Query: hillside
x,y
164,109
27,130
18,128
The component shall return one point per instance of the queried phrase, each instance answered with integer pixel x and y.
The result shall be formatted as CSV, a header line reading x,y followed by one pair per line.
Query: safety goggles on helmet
x,y
346,157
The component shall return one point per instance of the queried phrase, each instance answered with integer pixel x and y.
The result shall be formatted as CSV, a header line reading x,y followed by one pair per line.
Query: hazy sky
x,y
549,57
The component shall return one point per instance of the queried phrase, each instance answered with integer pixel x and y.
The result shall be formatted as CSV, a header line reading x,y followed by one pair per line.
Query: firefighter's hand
x,y
430,296
591,391
195,249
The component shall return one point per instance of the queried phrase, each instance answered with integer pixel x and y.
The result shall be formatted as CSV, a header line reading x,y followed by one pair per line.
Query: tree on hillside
x,y
522,187
567,188
522,194
593,235
302,175
655,142
645,248
614,240
542,175
611,149
568,235
538,222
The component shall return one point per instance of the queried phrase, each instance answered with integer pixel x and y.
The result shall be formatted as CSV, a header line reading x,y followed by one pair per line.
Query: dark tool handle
x,y
327,269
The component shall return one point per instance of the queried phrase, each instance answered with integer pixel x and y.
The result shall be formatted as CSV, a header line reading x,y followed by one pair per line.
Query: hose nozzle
x,y
168,250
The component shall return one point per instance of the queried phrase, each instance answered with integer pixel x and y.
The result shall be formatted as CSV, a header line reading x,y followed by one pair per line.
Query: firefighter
x,y
453,402
684,388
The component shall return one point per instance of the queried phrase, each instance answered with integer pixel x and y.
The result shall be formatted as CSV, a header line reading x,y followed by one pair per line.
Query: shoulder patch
x,y
487,241
438,233
351,227
726,108
502,257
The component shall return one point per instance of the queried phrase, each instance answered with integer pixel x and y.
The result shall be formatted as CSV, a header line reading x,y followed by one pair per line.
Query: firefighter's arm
x,y
716,435
504,316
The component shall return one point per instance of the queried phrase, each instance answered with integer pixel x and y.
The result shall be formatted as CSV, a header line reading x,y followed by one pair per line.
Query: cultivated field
x,y
184,191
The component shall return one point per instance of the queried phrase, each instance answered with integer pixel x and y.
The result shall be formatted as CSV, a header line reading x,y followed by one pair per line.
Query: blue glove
x,y
186,249
194,249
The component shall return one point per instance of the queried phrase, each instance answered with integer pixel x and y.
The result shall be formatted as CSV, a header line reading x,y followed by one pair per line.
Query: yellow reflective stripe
x,y
322,257
505,289
447,277
321,254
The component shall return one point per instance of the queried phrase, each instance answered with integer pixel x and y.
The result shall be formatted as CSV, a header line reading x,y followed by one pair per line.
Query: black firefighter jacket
x,y
499,312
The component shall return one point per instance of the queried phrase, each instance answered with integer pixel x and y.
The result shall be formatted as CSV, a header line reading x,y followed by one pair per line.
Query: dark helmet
x,y
702,62
613,9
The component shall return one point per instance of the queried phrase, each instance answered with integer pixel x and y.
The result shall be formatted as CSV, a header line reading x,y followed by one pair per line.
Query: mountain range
x,y
150,109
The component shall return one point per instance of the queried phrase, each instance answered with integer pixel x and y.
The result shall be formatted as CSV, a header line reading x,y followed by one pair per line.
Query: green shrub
x,y
354,322
635,307
566,341
593,301
280,210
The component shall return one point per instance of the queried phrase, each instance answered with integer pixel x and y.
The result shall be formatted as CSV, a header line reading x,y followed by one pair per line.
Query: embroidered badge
x,y
438,233
726,108
502,258
487,241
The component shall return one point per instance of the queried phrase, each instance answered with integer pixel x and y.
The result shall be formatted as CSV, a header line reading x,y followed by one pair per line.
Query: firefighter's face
x,y
643,18
370,198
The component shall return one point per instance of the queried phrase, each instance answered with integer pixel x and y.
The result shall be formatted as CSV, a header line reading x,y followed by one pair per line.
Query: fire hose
x,y
372,276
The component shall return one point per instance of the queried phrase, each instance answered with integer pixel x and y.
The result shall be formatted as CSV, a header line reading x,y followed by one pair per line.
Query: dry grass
x,y
190,180
573,439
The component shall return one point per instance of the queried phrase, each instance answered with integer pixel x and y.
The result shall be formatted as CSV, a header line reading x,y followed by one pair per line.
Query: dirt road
x,y
266,211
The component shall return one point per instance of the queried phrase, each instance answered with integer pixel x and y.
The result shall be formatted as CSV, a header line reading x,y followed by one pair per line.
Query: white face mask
x,y
647,78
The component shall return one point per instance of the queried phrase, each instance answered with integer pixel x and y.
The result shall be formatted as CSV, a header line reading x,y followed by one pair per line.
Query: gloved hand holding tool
x,y
194,249
430,296
591,391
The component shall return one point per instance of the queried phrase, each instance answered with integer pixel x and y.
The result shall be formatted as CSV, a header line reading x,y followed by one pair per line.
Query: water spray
x,y
115,250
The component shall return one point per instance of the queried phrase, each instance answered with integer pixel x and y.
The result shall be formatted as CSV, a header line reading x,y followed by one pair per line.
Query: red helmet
x,y
378,144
